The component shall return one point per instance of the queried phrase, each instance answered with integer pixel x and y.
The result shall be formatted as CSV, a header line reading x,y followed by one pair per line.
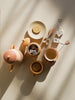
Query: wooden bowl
x,y
36,67
34,49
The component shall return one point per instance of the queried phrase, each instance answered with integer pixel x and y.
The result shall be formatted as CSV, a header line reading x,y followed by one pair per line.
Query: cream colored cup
x,y
51,54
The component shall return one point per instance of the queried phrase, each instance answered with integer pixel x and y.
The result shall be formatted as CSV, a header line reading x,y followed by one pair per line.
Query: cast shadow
x,y
49,65
53,44
28,85
26,76
65,82
47,68
66,11
40,78
12,17
6,77
29,79
56,28
27,18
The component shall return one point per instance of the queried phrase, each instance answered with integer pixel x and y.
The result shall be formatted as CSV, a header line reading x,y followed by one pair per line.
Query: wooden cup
x,y
36,67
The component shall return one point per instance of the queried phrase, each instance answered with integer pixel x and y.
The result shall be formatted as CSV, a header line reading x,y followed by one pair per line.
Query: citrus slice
x,y
36,29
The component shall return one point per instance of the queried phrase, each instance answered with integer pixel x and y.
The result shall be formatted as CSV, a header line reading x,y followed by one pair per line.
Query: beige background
x,y
58,83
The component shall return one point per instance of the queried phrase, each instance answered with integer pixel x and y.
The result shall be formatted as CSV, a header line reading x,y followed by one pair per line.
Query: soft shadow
x,y
12,17
56,28
27,19
8,18
65,83
28,85
57,67
30,80
6,77
42,76
26,76
67,8
47,67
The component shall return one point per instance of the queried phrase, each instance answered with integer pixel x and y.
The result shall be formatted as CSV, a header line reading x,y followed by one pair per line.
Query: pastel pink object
x,y
10,56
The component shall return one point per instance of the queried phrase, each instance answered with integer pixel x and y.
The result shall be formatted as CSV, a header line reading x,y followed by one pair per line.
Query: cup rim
x,y
54,59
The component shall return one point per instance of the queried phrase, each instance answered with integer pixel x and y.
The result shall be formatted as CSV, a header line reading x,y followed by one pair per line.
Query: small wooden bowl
x,y
51,54
34,47
36,67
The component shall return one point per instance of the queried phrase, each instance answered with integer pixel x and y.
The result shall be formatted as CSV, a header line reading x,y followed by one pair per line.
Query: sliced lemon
x,y
36,29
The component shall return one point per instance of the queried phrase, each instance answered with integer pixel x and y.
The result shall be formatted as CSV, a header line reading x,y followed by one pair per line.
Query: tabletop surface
x,y
57,83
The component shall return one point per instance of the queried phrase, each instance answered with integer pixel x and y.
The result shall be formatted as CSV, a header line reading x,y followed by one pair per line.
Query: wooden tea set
x,y
36,32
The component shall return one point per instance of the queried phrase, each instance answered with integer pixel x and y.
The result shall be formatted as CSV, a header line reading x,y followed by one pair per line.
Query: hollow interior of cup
x,y
33,49
36,67
51,54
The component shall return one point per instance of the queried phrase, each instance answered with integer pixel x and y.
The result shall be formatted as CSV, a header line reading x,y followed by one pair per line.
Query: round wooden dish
x,y
36,67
